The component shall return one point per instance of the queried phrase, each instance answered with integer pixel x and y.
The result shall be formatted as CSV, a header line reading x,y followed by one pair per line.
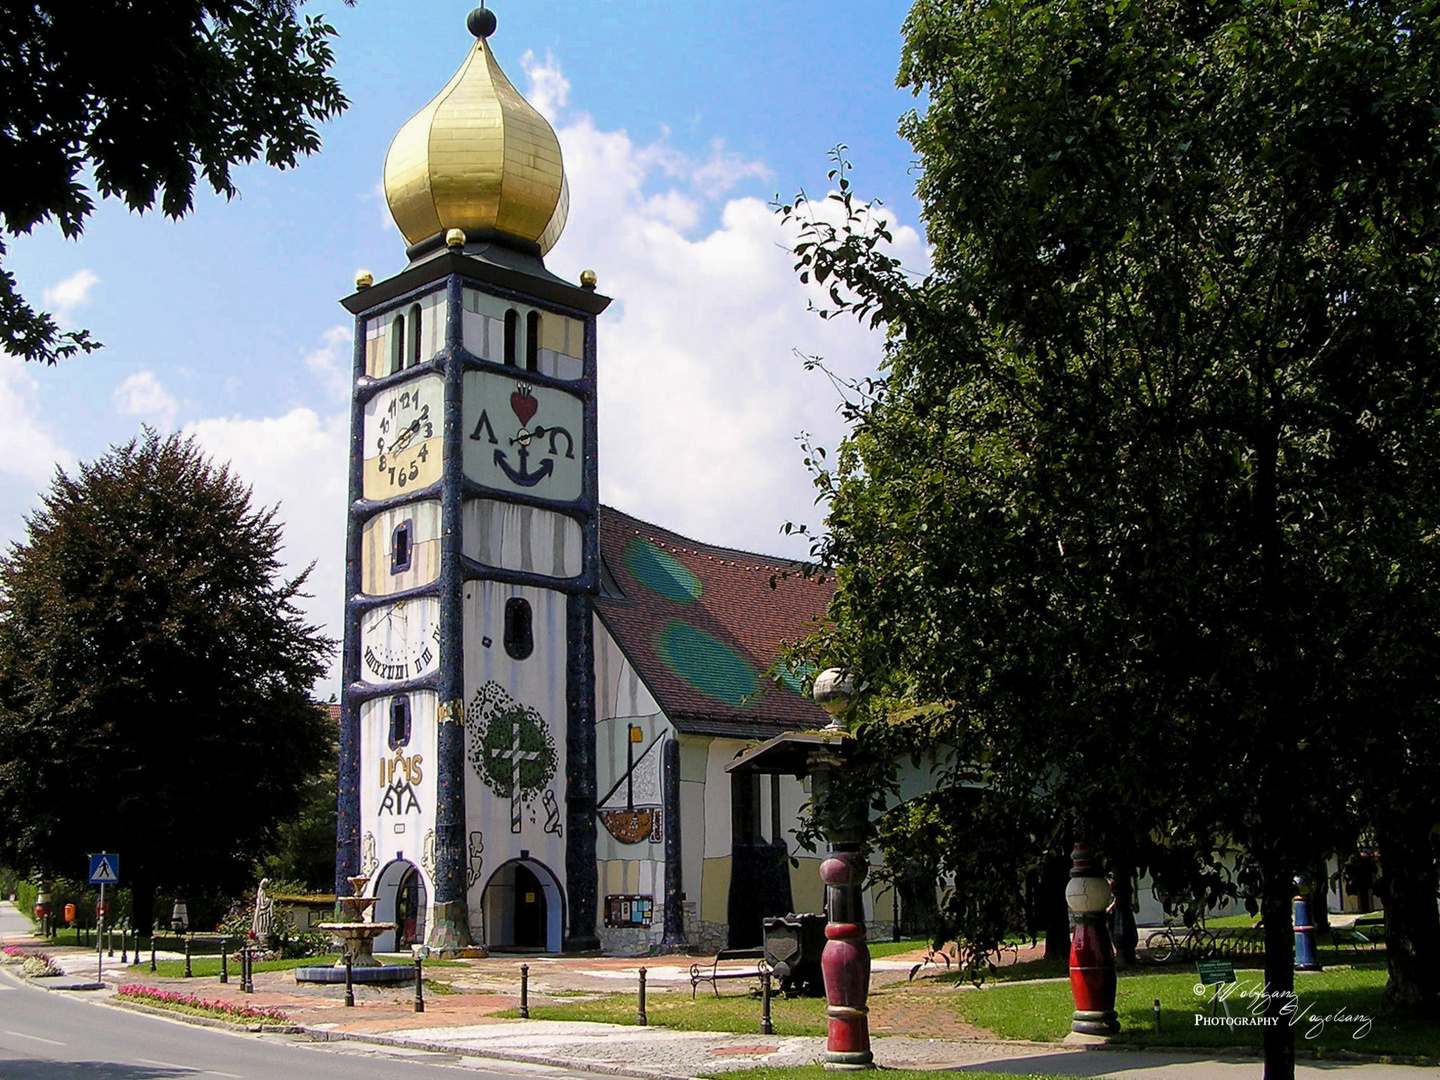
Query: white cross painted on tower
x,y
515,756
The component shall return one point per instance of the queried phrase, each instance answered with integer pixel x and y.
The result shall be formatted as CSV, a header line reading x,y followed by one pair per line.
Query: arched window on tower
x,y
397,344
519,628
512,331
412,324
532,341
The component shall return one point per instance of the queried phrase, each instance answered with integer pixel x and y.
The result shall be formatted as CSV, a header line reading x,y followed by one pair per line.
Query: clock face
x,y
403,437
400,641
522,437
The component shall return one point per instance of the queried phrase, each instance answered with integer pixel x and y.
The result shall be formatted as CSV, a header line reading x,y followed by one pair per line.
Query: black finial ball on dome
x,y
481,22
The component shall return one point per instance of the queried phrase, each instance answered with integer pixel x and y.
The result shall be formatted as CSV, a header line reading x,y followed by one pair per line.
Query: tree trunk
x,y
1412,921
1279,1035
142,900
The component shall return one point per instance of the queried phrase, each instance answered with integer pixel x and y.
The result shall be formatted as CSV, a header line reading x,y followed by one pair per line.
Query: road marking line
x,y
168,1064
37,1038
217,1072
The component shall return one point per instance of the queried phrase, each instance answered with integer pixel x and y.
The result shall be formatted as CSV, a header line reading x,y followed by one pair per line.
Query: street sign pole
x,y
100,939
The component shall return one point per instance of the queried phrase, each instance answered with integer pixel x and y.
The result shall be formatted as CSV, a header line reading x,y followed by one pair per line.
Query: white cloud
x,y
65,296
142,395
548,90
297,462
28,450
701,395
331,362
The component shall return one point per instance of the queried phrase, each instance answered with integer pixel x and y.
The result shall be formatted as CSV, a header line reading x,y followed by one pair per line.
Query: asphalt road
x,y
50,1035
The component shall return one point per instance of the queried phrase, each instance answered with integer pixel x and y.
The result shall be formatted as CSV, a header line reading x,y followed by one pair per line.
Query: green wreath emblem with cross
x,y
511,748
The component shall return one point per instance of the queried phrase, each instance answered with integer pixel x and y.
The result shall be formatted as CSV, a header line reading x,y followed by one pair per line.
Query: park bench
x,y
711,973
1368,932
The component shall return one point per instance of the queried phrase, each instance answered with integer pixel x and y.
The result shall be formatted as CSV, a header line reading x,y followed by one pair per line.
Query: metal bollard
x,y
524,991
419,984
249,970
766,1027
187,956
349,984
110,941
124,944
1157,1014
640,1018
152,950
224,960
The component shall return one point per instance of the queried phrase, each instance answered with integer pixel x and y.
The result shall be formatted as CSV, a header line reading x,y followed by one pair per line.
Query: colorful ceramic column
x,y
1092,956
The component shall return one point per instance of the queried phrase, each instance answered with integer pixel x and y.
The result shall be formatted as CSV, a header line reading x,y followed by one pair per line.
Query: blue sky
x,y
679,123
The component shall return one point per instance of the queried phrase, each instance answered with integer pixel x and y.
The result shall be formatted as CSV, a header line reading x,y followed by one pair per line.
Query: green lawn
x,y
893,948
736,1012
1041,1011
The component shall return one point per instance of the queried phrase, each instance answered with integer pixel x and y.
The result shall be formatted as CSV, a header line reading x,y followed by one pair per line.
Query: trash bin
x,y
793,944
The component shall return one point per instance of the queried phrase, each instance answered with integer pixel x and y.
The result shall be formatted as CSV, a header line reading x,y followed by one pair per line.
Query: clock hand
x,y
403,439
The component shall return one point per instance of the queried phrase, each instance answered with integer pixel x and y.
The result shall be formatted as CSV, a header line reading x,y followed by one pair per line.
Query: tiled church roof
x,y
702,625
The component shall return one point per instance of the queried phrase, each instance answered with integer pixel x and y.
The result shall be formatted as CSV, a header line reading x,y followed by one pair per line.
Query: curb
x,y
328,1035
207,1021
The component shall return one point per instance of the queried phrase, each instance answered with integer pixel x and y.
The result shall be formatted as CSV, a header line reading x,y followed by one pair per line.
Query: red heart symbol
x,y
523,404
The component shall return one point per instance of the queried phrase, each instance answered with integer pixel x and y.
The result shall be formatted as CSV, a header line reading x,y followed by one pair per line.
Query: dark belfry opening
x,y
532,341
512,331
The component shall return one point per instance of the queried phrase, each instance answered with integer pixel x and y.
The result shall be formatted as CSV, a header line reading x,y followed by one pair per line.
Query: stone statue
x,y
262,921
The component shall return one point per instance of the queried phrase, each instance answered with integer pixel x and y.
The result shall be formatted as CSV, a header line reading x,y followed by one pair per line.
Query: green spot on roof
x,y
794,678
661,572
710,666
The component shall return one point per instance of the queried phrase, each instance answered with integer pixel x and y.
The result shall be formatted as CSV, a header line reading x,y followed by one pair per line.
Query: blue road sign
x,y
104,869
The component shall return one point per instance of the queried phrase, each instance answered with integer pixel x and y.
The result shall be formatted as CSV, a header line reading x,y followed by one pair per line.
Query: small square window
x,y
399,722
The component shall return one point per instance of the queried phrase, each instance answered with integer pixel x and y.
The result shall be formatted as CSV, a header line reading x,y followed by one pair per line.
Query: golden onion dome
x,y
479,158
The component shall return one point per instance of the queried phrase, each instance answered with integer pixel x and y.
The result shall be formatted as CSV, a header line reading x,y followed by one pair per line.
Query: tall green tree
x,y
147,99
1149,489
155,676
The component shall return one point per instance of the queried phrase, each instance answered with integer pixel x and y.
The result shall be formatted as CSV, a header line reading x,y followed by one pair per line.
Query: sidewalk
x,y
465,1023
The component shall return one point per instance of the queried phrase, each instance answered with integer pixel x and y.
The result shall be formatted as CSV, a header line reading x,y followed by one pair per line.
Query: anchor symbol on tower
x,y
524,406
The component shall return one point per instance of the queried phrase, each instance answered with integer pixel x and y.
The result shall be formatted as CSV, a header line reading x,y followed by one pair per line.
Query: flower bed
x,y
34,964
189,1003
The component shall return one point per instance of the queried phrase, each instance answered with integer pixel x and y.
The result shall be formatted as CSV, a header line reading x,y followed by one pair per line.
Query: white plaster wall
x,y
375,549
562,339
521,538
538,683
397,827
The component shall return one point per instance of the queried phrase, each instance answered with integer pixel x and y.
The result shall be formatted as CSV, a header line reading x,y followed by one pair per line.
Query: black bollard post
x,y
224,960
152,950
766,1027
524,991
110,941
419,984
640,1018
124,944
349,984
187,956
249,970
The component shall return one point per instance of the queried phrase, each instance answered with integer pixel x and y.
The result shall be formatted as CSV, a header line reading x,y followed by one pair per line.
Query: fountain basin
x,y
381,975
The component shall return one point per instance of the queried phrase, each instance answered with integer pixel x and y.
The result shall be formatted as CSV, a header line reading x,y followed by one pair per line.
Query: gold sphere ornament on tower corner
x,y
479,158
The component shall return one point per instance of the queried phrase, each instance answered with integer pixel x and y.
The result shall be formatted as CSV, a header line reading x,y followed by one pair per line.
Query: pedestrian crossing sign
x,y
104,869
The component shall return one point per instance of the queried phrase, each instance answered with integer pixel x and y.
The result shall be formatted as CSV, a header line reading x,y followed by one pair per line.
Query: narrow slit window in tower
x,y
399,722
413,325
512,331
400,548
519,630
532,341
397,344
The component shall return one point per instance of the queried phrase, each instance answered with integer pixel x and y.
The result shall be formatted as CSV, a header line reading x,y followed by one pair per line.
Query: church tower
x,y
467,744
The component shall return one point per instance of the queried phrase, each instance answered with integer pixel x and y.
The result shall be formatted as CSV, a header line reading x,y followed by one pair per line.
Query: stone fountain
x,y
356,937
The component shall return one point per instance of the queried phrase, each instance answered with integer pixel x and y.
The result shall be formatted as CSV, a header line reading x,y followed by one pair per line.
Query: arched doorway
x,y
524,908
402,899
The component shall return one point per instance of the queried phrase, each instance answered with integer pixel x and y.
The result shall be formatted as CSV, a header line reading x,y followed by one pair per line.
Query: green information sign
x,y
1215,971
